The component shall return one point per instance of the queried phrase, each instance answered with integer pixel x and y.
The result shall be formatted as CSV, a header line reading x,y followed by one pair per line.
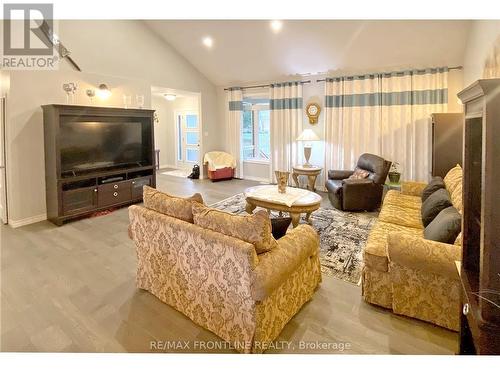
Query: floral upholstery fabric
x,y
375,253
211,277
396,198
426,296
407,273
273,313
255,229
413,188
421,254
453,178
376,287
180,208
456,197
401,215
276,266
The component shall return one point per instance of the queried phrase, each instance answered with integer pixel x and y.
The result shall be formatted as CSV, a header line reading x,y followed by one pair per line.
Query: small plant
x,y
394,167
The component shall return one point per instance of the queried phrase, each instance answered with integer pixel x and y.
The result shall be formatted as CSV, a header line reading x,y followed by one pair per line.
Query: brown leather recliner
x,y
359,195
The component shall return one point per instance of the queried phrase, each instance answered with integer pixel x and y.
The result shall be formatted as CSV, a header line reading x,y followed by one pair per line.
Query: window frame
x,y
255,109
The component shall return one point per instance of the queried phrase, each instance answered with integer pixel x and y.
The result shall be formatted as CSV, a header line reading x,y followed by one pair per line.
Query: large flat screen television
x,y
91,145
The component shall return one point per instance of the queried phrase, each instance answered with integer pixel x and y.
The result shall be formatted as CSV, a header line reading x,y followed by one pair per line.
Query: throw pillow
x,y
435,184
180,208
433,205
453,178
255,228
359,174
445,227
279,226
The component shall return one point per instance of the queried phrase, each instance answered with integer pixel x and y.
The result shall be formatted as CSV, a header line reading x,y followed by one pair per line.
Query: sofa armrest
x,y
276,266
413,188
420,254
357,185
339,175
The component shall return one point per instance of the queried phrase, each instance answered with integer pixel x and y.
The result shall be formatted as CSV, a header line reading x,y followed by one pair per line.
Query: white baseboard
x,y
168,166
27,221
259,179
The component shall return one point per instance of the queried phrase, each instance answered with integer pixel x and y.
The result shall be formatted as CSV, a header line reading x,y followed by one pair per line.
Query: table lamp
x,y
307,136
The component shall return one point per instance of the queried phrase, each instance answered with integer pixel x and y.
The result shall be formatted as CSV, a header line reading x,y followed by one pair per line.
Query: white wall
x,y
480,41
126,55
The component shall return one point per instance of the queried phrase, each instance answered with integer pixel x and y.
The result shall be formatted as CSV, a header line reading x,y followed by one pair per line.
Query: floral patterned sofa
x,y
219,281
403,271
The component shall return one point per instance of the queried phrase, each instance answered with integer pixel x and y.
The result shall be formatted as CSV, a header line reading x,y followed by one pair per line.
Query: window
x,y
256,137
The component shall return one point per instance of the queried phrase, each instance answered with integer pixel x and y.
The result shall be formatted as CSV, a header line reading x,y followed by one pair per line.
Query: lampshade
x,y
308,135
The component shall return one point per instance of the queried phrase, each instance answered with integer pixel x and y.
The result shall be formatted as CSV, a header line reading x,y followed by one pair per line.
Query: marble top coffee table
x,y
294,201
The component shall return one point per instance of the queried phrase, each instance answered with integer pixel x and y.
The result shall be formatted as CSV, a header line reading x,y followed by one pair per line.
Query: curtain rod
x,y
259,86
460,67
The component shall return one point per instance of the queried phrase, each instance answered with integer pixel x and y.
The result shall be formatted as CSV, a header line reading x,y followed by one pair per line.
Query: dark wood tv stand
x,y
72,195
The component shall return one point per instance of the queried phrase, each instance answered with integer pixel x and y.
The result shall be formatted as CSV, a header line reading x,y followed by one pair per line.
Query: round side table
x,y
310,171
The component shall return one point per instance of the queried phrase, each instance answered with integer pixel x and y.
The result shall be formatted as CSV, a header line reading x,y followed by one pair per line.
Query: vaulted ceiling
x,y
249,51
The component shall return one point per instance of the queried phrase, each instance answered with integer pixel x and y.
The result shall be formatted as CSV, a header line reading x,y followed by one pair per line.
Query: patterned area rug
x,y
342,236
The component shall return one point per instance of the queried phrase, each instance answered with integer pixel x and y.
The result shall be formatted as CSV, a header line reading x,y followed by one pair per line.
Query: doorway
x,y
3,177
187,139
178,130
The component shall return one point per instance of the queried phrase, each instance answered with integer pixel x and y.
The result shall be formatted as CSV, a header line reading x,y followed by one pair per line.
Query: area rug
x,y
177,173
342,236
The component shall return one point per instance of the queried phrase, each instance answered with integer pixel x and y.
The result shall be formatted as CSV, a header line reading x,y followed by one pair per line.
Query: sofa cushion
x,y
435,184
453,183
456,197
453,178
396,198
254,229
375,253
445,227
401,215
433,205
359,174
180,208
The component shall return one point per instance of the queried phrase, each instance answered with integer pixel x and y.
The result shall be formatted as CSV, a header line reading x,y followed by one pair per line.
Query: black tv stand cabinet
x,y
75,195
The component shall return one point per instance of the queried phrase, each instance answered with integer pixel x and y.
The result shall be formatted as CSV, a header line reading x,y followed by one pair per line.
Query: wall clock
x,y
312,111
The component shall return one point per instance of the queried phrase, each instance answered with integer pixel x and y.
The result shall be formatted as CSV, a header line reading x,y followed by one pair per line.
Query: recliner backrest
x,y
377,166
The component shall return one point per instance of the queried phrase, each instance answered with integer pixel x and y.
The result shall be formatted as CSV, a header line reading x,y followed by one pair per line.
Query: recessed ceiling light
x,y
208,42
169,97
276,25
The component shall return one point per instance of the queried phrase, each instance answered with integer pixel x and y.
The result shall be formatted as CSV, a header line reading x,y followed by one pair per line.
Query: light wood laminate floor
x,y
71,289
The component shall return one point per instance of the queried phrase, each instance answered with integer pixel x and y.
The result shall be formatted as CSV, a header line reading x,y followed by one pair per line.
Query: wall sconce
x,y
90,93
169,97
103,92
70,90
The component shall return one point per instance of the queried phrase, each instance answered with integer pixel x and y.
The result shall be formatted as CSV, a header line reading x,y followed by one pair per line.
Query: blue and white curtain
x,y
387,114
286,124
234,119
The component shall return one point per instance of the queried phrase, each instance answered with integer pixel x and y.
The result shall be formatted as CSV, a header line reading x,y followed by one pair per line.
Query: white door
x,y
3,179
188,139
